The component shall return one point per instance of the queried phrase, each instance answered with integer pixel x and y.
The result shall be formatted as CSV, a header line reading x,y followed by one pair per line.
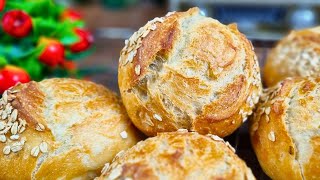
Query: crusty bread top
x,y
185,70
67,128
295,55
285,130
178,155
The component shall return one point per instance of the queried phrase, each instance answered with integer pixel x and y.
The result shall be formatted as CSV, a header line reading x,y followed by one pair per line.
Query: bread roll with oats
x,y
188,71
178,155
61,129
296,55
285,131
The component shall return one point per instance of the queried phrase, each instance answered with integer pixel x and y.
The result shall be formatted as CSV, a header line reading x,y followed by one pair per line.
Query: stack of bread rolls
x,y
285,128
188,73
186,81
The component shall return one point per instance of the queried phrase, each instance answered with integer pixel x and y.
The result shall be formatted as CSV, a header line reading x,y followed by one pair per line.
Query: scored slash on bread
x,y
185,70
285,131
178,155
61,128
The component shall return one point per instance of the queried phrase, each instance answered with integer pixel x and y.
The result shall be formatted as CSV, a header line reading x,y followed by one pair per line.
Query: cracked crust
x,y
285,129
191,71
82,125
296,55
178,155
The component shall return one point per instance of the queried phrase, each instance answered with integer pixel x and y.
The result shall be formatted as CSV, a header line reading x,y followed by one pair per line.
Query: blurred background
x,y
60,38
113,21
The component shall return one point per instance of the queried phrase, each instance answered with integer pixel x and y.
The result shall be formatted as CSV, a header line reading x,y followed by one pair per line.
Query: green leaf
x,y
69,38
43,8
3,61
24,52
66,26
16,53
78,23
44,26
12,52
64,31
36,8
33,67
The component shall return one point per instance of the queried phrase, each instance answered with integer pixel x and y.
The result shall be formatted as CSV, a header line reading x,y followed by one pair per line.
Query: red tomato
x,y
70,14
53,53
85,40
2,4
11,75
17,23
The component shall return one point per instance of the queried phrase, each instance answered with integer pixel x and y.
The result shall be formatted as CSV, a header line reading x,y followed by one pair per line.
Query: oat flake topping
x,y
12,127
135,41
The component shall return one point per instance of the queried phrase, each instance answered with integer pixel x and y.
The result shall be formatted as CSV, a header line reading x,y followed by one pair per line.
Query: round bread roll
x,y
285,130
187,71
178,155
61,129
296,55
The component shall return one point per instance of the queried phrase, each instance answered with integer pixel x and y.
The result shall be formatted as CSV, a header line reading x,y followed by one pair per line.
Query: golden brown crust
x,y
311,169
285,129
296,55
29,101
188,71
72,127
178,155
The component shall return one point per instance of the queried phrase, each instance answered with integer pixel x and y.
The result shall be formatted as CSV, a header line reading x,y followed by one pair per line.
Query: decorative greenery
x,y
42,38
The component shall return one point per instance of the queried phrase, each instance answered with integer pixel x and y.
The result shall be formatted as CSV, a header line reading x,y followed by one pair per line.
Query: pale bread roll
x,y
178,156
188,71
61,129
296,55
285,130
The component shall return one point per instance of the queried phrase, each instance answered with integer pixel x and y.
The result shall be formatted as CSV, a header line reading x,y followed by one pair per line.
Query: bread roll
x,y
297,54
285,131
188,71
178,155
61,129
